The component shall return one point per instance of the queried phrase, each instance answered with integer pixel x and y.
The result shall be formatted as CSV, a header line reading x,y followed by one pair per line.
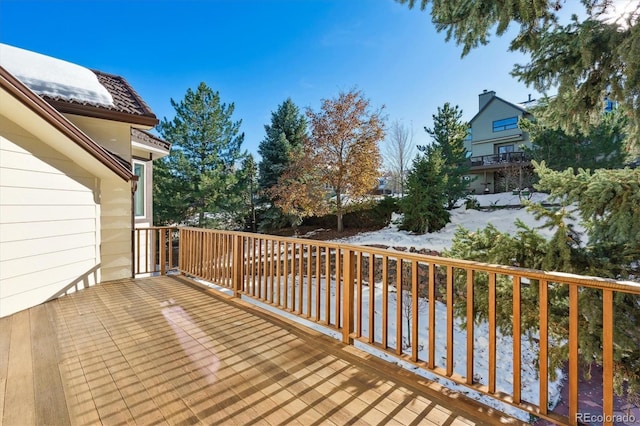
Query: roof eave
x,y
522,110
105,114
52,116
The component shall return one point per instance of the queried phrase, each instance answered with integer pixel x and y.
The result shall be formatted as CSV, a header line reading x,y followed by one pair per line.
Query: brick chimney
x,y
484,98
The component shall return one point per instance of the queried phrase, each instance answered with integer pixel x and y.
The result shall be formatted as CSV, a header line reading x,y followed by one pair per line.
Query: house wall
x,y
112,135
116,196
480,181
484,138
115,235
49,221
485,141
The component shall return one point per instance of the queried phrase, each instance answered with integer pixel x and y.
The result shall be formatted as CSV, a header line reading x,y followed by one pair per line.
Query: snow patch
x,y
504,219
54,77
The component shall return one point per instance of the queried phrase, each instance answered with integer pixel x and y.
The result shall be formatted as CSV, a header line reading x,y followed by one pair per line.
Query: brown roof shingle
x,y
128,106
125,98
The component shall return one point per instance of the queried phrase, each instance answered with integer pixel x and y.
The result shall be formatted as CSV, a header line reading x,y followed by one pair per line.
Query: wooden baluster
x,y
385,300
399,306
347,305
517,341
492,332
469,324
544,346
432,316
573,353
607,356
415,309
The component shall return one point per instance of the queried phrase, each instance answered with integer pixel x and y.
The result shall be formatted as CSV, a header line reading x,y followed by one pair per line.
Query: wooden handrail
x,y
338,285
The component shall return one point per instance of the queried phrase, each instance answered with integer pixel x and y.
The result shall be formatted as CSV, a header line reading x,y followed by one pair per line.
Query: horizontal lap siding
x,y
115,217
49,215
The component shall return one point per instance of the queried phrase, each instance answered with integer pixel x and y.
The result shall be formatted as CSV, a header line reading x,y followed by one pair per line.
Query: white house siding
x,y
116,229
115,196
49,222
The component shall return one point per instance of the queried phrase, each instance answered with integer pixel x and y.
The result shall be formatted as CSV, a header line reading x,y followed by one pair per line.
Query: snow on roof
x,y
53,77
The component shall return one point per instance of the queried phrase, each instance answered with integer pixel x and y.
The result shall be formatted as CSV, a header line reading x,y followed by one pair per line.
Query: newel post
x,y
348,267
237,264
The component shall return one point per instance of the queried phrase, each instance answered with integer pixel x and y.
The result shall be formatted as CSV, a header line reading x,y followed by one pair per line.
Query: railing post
x,y
347,302
161,247
182,247
237,264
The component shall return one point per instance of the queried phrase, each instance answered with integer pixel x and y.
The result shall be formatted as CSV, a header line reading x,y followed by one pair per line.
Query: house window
x,y
503,151
469,134
505,124
138,198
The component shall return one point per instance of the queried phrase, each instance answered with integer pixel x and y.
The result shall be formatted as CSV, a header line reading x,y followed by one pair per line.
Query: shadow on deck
x,y
160,350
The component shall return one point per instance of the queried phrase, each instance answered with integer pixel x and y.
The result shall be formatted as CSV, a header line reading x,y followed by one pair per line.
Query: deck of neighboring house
x,y
161,350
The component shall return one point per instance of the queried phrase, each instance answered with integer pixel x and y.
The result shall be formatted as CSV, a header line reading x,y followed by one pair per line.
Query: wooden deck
x,y
159,350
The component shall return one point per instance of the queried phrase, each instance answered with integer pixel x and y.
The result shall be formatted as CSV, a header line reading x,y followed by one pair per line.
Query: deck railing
x,y
503,159
155,250
421,309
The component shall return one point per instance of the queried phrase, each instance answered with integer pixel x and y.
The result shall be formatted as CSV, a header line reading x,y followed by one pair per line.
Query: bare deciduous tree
x,y
398,153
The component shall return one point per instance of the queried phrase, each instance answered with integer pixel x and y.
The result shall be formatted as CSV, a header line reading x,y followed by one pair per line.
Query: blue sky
x,y
257,53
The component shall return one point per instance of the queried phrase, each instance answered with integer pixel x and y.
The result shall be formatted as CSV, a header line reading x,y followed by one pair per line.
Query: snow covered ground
x,y
502,218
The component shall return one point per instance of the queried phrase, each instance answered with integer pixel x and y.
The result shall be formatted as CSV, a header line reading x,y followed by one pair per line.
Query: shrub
x,y
370,214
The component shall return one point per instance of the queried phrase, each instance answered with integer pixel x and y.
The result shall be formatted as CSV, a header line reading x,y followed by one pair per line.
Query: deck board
x,y
50,402
19,398
5,341
161,351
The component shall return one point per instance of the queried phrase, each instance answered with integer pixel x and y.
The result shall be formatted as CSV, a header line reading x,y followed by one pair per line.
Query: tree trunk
x,y
339,212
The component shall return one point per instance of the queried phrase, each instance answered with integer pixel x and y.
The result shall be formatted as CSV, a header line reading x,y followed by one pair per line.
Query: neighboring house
x,y
385,184
75,176
495,144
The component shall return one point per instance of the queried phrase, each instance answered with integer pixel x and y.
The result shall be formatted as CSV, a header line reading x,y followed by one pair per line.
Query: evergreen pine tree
x,y
169,193
423,205
248,190
448,133
287,131
286,134
607,202
206,145
602,146
593,56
